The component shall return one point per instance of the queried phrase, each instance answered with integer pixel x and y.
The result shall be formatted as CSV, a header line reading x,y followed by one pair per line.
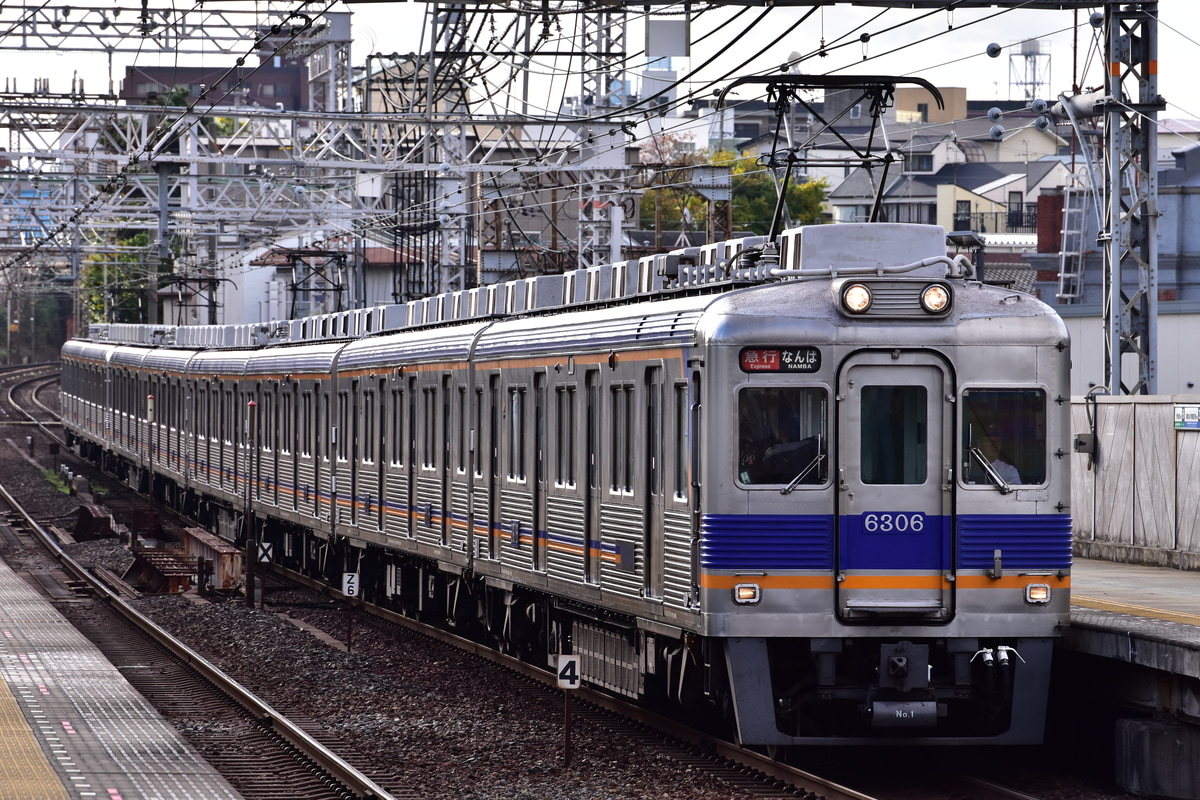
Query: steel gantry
x,y
1130,239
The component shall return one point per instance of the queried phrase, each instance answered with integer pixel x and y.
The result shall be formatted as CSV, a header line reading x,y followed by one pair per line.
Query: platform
x,y
1114,605
72,727
1144,623
1144,617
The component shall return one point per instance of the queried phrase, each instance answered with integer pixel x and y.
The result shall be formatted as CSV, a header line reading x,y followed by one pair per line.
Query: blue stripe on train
x,y
1028,541
770,542
766,542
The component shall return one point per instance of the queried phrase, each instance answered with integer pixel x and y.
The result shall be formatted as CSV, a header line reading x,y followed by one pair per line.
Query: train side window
x,y
286,421
306,430
461,432
621,444
894,441
397,418
1007,429
782,435
369,441
429,437
267,418
565,472
478,432
325,423
516,436
680,441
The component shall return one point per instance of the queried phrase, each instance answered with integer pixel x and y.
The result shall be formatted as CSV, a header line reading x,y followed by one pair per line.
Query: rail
x,y
362,786
810,784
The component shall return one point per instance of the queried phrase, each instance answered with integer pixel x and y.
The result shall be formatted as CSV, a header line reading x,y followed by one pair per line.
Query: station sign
x,y
780,359
1187,418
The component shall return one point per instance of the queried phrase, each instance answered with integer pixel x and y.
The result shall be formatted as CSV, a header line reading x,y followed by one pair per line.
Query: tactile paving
x,y
71,726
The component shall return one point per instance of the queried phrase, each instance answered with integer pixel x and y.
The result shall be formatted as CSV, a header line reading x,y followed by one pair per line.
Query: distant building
x,y
274,85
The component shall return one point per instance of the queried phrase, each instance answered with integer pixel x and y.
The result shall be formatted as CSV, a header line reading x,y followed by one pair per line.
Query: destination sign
x,y
780,359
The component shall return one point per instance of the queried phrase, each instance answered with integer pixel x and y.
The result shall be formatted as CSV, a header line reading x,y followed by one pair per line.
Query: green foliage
x,y
117,281
755,195
56,480
754,192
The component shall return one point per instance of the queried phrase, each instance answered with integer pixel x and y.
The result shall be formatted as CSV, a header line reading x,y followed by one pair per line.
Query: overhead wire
x,y
447,85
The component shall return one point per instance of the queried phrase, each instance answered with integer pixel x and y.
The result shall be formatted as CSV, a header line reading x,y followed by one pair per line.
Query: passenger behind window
x,y
991,443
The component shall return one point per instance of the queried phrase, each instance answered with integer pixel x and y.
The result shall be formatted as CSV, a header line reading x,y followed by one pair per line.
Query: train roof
x,y
681,282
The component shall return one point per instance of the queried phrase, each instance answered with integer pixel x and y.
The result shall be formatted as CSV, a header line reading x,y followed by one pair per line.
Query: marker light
x,y
856,298
746,594
935,298
1037,594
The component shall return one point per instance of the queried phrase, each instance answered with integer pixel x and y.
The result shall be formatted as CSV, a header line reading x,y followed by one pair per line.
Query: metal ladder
x,y
1070,257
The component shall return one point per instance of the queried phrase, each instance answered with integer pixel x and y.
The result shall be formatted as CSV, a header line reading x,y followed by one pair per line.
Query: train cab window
x,y
893,435
782,435
1004,437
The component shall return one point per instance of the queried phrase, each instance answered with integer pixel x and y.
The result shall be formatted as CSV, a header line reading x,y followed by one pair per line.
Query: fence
x,y
1137,497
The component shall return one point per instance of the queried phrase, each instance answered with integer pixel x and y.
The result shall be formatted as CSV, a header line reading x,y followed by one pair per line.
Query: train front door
x,y
894,547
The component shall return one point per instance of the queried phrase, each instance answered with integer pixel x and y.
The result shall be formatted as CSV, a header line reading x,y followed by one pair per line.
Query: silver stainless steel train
x,y
814,486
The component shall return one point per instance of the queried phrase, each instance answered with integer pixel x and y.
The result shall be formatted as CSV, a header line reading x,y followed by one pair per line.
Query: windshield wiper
x,y
1001,485
796,480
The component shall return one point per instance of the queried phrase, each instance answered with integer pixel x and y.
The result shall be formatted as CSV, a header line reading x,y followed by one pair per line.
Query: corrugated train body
x,y
814,488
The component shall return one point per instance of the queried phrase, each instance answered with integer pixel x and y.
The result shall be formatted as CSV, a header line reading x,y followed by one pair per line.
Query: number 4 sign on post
x,y
568,672
569,677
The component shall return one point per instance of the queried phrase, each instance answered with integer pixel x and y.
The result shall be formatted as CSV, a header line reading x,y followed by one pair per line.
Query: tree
x,y
755,192
671,204
755,195
117,282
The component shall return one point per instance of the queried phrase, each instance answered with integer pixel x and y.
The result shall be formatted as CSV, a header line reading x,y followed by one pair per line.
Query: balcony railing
x,y
1024,221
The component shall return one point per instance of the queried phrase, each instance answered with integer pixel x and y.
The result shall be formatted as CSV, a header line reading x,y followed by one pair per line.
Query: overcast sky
x,y
945,48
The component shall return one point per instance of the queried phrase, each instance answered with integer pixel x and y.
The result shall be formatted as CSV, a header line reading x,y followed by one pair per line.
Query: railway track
x,y
266,756
751,772
25,392
745,769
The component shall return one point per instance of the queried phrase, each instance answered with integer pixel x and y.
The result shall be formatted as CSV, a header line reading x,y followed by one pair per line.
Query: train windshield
x,y
782,435
894,435
1004,436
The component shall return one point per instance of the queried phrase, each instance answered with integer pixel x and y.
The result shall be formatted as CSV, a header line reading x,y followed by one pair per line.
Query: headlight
x,y
1037,594
935,298
856,298
746,594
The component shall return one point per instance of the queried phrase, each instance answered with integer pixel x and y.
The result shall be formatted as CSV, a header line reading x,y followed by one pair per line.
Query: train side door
x,y
652,465
894,554
539,471
491,456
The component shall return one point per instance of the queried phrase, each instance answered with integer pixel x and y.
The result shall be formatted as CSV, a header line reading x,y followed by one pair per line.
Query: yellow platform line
x,y
1137,611
25,773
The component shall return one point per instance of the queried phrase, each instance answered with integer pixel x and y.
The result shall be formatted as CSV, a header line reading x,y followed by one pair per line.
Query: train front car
x,y
884,530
